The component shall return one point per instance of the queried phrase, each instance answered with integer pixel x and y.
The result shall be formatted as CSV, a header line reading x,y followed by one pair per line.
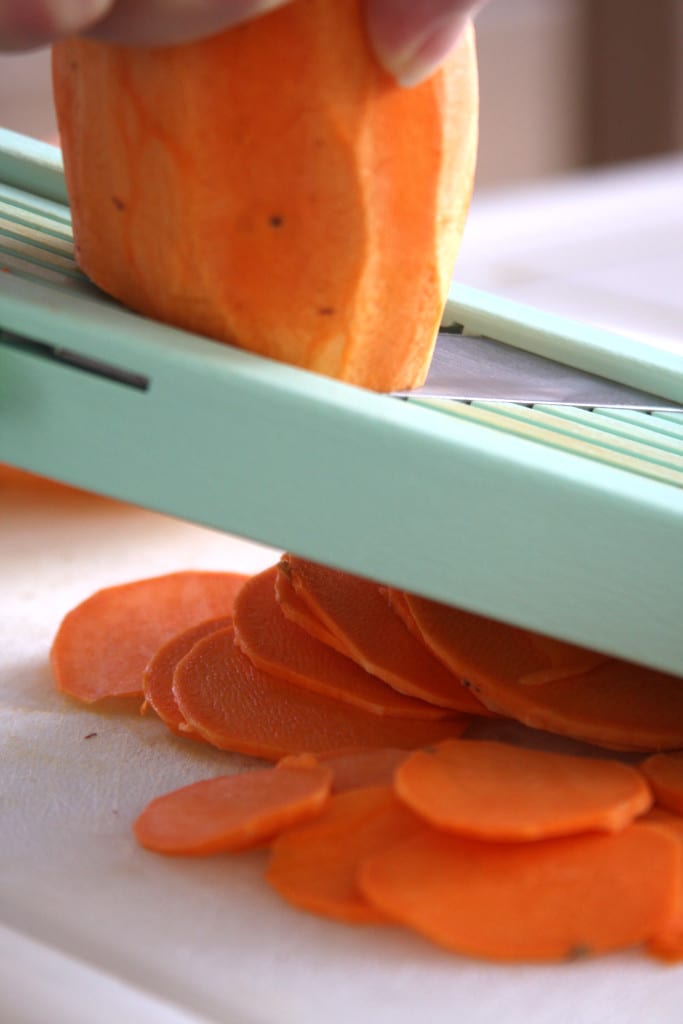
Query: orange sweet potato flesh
x,y
273,188
398,601
364,768
314,866
359,615
14,477
103,645
664,772
296,610
551,900
237,707
234,812
585,695
666,944
157,679
496,791
505,651
278,646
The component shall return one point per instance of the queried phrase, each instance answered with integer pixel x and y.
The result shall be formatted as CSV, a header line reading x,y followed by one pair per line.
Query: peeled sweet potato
x,y
272,187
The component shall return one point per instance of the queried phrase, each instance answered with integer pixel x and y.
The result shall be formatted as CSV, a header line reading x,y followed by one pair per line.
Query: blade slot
x,y
75,360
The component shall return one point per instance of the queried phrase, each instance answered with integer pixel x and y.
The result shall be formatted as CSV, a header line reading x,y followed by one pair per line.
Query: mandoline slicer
x,y
566,521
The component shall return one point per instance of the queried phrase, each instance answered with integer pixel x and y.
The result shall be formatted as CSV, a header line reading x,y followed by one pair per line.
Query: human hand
x,y
410,37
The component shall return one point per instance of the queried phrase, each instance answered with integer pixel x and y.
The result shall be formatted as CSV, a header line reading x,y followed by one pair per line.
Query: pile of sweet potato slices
x,y
380,804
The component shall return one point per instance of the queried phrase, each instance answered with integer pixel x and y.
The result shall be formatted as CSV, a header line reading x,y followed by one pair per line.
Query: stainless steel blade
x,y
470,369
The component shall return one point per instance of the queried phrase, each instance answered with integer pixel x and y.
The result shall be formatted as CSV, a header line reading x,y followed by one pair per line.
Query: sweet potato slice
x,y
551,900
314,866
11,477
278,646
297,611
398,601
607,702
497,791
519,655
667,943
103,645
237,707
234,812
157,679
664,772
364,768
359,615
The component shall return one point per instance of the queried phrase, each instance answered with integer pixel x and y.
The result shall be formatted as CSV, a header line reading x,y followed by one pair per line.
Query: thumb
x,y
25,26
165,22
412,37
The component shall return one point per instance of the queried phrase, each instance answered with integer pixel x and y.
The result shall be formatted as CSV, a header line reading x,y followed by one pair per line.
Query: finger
x,y
165,22
412,37
26,24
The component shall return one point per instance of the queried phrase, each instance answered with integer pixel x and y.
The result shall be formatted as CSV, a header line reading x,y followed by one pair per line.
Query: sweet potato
x,y
497,791
103,645
238,707
664,772
550,685
157,679
315,866
315,221
551,900
231,813
358,614
277,645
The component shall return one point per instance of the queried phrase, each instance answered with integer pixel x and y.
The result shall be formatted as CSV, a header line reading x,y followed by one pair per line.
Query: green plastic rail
x,y
567,522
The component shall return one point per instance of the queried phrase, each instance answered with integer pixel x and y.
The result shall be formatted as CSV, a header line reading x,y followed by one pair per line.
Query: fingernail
x,y
418,62
66,16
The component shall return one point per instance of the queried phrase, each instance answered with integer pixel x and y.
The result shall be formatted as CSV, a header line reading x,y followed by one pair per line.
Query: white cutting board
x,y
93,929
